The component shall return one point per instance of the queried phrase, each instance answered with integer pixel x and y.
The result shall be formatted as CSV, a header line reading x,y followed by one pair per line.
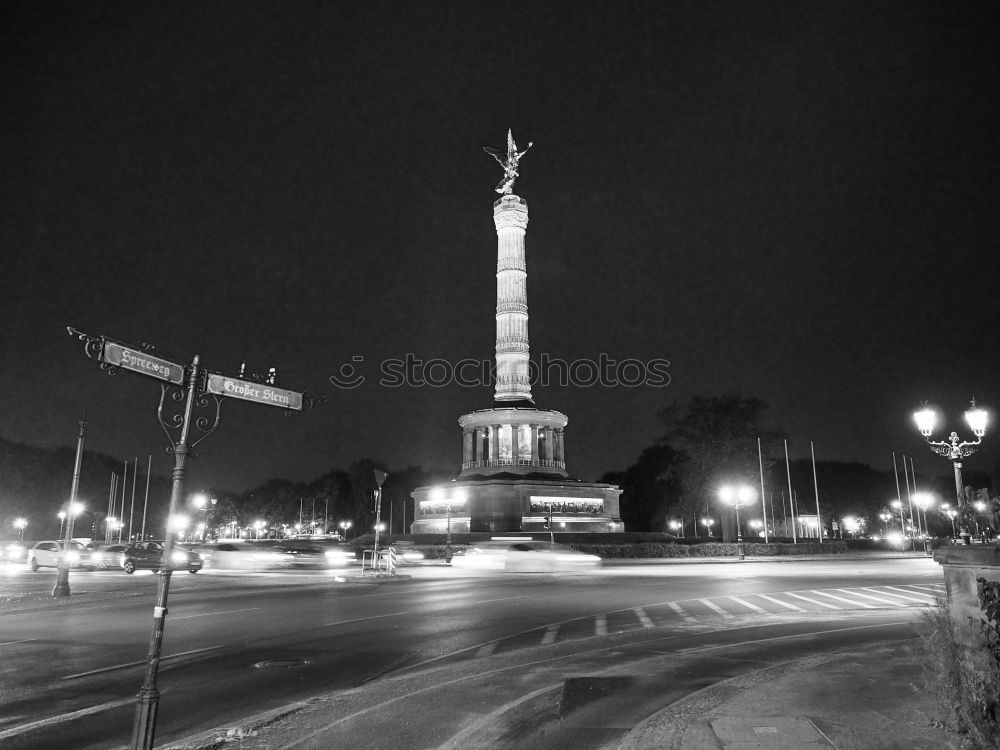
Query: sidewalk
x,y
859,698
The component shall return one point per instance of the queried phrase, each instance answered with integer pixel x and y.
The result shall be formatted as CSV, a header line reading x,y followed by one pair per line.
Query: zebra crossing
x,y
720,608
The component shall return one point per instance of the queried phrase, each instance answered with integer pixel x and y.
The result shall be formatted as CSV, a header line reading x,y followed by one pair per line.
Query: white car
x,y
46,555
523,557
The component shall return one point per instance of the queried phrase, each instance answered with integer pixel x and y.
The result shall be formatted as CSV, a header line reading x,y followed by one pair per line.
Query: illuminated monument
x,y
513,474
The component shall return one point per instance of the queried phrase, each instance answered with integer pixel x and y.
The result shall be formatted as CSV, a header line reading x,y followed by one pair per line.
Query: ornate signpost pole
x,y
194,388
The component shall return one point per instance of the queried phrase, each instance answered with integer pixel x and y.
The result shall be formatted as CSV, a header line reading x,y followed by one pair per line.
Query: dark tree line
x,y
35,485
711,441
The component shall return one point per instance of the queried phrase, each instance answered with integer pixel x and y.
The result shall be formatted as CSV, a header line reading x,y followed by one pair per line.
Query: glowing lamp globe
x,y
925,419
977,420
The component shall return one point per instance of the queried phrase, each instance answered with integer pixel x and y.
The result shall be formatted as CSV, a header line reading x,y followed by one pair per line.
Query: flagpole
x,y
791,500
145,503
763,504
819,521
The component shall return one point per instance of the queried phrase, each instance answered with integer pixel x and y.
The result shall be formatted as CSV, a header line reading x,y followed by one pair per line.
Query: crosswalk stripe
x,y
924,598
715,607
848,601
601,625
813,601
486,649
681,611
789,605
643,617
551,633
936,588
745,603
891,602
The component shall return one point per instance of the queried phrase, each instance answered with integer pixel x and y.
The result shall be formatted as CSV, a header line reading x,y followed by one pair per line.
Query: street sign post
x,y
136,360
259,393
185,384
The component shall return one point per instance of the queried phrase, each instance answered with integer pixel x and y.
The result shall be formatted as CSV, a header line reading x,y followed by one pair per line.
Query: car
x,y
46,554
523,556
232,555
148,555
106,557
299,554
15,552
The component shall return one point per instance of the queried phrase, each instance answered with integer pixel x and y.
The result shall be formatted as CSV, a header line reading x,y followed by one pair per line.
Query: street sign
x,y
259,393
141,362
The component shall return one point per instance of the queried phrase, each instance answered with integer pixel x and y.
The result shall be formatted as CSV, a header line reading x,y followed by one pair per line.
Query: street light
x,y
345,525
885,521
950,512
737,497
898,505
708,522
19,524
756,524
923,501
675,525
954,450
62,522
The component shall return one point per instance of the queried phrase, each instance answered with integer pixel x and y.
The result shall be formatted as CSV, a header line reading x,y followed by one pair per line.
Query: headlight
x,y
179,557
413,555
72,556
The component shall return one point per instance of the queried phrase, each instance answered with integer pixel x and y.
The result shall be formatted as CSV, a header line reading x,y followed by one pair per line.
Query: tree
x,y
649,488
718,435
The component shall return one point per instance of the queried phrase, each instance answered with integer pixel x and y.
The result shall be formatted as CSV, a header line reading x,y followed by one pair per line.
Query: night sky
x,y
792,201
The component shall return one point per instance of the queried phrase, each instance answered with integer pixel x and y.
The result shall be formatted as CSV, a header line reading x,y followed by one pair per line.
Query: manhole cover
x,y
280,663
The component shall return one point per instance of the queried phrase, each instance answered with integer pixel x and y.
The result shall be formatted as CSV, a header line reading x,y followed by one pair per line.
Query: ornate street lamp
x,y
20,524
954,450
737,497
885,521
677,526
708,523
950,512
344,526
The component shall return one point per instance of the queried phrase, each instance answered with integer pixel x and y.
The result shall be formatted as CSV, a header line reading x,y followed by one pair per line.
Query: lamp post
x,y
344,526
678,525
19,524
737,497
885,521
950,512
898,505
954,450
708,524
200,502
980,509
756,524
923,501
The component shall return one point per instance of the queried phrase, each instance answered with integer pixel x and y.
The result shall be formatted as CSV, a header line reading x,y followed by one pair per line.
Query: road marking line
x,y
601,625
789,605
11,643
139,663
745,603
813,601
643,617
362,619
505,599
716,608
15,731
848,601
486,649
927,599
681,611
936,588
210,614
551,633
